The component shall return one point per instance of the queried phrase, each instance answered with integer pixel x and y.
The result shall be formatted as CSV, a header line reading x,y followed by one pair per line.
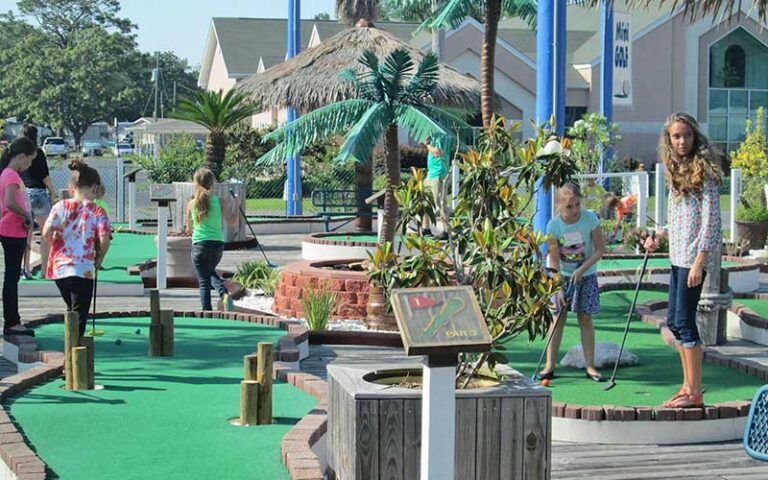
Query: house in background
x,y
718,71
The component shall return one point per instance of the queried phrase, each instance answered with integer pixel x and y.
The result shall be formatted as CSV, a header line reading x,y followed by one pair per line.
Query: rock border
x,y
24,462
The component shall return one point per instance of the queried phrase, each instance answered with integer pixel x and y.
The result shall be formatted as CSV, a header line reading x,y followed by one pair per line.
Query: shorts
x,y
583,297
40,202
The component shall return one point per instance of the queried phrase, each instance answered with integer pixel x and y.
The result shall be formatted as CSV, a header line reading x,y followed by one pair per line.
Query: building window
x,y
572,114
738,86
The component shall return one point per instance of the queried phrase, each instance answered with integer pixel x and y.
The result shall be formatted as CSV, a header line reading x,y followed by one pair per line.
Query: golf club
x,y
94,332
612,381
562,314
245,219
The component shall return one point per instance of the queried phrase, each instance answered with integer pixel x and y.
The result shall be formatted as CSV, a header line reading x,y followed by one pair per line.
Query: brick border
x,y
24,462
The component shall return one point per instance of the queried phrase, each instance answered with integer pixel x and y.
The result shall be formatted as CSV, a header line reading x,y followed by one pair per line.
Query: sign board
x,y
162,192
622,65
440,320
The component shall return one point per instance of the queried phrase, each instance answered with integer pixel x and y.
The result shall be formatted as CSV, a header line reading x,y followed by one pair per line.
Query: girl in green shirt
x,y
204,215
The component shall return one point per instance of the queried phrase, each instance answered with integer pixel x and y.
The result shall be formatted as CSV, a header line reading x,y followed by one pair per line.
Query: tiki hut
x,y
311,79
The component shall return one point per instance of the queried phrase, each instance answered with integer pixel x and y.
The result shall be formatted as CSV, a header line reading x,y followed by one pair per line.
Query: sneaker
x,y
229,304
27,275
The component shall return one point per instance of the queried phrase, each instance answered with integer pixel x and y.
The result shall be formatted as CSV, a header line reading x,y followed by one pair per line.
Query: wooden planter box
x,y
374,431
185,191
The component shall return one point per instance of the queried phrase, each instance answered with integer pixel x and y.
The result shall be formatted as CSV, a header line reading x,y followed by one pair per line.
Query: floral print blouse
x,y
694,225
73,251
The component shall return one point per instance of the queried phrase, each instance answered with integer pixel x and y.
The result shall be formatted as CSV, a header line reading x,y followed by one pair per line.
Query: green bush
x,y
754,213
244,147
318,308
177,162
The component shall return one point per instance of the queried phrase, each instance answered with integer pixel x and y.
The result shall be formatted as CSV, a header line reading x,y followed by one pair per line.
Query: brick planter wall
x,y
350,288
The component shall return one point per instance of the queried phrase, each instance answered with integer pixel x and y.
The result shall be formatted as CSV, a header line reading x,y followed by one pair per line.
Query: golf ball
x,y
137,331
545,382
118,341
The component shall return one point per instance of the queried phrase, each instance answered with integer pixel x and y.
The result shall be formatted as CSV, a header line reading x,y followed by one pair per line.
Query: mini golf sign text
x,y
622,65
440,320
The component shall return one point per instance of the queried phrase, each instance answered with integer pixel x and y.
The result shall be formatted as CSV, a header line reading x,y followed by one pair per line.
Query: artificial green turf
x,y
159,417
635,263
759,306
126,249
654,380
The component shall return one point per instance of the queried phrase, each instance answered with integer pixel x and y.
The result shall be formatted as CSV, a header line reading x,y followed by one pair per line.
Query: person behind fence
x,y
79,232
204,213
695,231
624,209
575,246
41,194
437,171
15,223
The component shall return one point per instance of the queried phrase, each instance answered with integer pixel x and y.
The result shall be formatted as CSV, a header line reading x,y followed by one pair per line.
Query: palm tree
x,y
217,112
389,95
700,8
454,12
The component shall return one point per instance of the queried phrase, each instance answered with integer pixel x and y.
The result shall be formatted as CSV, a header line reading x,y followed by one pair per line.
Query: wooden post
x,y
264,378
154,305
80,368
155,339
249,402
250,366
71,340
166,321
87,342
708,311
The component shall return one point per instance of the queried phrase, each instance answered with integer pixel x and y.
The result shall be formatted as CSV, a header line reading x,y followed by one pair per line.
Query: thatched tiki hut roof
x,y
311,79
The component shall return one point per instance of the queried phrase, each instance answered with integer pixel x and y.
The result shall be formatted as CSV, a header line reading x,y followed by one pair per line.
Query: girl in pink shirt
x,y
79,233
15,222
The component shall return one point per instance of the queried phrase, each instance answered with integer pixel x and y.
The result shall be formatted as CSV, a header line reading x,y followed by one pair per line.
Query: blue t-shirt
x,y
574,241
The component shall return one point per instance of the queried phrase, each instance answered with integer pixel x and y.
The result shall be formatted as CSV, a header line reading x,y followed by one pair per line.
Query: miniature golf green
x,y
656,378
126,249
635,263
159,417
758,306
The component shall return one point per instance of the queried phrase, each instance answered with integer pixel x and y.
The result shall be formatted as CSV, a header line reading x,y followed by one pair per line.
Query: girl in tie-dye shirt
x,y
695,230
79,233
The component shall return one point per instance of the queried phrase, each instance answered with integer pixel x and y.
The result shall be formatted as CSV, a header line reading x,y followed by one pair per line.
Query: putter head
x,y
232,193
609,386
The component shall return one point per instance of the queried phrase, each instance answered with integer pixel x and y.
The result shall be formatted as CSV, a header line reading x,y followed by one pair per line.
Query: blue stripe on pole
x,y
293,164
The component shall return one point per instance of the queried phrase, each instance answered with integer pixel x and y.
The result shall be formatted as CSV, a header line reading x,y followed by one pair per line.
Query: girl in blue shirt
x,y
575,246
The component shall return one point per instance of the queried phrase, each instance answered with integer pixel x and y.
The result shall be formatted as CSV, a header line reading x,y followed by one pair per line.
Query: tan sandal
x,y
681,393
689,401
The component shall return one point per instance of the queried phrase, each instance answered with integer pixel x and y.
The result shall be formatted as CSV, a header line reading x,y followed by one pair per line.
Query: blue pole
x,y
606,76
560,65
293,164
544,95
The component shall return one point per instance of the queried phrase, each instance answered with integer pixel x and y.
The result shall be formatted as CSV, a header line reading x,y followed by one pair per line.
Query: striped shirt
x,y
694,225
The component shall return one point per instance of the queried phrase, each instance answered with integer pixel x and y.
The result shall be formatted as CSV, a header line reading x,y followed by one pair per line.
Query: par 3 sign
x,y
622,70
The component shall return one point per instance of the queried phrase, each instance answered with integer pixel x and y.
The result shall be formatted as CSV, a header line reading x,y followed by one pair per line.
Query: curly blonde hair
x,y
688,174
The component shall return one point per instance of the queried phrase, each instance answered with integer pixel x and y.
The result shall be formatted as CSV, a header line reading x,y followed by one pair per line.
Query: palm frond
x,y
451,15
360,141
371,77
396,66
526,10
418,124
423,82
451,121
215,111
350,11
694,9
317,125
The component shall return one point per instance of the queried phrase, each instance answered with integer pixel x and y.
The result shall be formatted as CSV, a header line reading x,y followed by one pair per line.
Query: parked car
x,y
91,149
122,148
53,146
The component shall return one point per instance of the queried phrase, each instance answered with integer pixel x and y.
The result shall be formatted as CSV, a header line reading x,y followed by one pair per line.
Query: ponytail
x,y
204,179
83,175
20,146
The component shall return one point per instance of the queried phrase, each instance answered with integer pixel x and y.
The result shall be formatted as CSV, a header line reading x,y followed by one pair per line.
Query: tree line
x,y
69,63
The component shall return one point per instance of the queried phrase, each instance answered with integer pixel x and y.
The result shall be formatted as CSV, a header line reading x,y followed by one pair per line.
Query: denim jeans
x,y
13,253
681,311
77,293
206,255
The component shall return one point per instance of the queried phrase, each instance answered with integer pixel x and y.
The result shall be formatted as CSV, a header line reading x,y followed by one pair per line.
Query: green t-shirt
x,y
437,167
574,241
210,228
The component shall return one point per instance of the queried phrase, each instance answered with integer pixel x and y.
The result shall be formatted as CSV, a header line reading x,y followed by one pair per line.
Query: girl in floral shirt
x,y
695,230
79,233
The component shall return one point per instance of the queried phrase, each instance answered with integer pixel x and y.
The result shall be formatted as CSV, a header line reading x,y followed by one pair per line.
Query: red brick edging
x,y
20,458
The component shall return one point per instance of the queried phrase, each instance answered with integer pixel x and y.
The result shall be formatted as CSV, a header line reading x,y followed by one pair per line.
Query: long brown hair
x,y
204,180
688,174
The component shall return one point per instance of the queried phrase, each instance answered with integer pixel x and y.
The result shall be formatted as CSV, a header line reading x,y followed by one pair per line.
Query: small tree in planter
x,y
752,159
491,247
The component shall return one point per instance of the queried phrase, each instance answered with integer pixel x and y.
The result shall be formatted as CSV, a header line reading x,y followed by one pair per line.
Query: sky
x,y
182,25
